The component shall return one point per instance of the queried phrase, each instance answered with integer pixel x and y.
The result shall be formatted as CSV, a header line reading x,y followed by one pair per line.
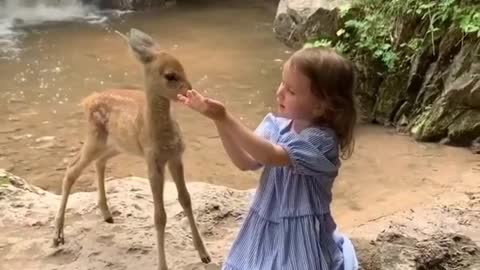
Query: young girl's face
x,y
294,97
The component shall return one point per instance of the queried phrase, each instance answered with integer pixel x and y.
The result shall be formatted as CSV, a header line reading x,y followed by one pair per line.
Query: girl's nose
x,y
280,91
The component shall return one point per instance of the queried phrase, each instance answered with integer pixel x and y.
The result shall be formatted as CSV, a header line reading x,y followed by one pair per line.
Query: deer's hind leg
x,y
175,166
92,148
100,166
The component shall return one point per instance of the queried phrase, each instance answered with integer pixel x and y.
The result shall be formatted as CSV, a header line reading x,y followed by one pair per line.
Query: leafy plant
x,y
369,27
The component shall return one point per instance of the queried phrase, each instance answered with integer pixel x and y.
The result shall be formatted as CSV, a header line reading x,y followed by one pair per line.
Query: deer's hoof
x,y
206,258
58,240
109,220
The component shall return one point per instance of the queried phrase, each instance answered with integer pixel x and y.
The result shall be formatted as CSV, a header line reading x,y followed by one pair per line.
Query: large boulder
x,y
297,21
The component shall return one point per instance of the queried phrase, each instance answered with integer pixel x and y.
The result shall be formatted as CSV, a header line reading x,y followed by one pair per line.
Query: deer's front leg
x,y
156,172
175,166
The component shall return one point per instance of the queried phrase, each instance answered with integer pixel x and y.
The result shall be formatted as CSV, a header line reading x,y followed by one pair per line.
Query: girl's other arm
x,y
260,149
240,158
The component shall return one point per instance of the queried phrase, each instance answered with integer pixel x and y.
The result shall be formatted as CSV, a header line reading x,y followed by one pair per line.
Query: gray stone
x,y
131,4
297,21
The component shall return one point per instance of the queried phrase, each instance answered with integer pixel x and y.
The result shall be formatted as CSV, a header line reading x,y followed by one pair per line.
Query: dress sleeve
x,y
312,152
267,127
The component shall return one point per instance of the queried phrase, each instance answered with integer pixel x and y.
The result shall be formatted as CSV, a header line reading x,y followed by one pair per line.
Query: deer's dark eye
x,y
171,76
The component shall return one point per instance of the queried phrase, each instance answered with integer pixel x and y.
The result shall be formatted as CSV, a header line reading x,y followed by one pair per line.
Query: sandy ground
x,y
27,214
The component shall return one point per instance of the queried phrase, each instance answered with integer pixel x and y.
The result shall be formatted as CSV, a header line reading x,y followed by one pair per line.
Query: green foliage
x,y
370,27
318,43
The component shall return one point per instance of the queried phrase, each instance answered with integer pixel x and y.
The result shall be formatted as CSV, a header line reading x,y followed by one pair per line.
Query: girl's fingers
x,y
181,98
195,93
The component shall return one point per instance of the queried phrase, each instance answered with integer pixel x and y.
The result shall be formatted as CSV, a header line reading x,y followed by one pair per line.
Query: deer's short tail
x,y
96,111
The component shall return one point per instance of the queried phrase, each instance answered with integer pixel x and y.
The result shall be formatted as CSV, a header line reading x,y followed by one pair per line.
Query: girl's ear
x,y
318,111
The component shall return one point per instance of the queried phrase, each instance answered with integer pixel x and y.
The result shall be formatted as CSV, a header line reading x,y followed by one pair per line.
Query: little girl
x,y
289,225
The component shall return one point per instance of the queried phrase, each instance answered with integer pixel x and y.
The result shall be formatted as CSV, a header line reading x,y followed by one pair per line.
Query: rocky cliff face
x,y
435,99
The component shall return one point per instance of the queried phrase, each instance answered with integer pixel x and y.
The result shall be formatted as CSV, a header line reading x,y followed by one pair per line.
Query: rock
x,y
454,113
391,96
465,128
475,147
130,4
434,97
432,125
366,93
397,252
297,21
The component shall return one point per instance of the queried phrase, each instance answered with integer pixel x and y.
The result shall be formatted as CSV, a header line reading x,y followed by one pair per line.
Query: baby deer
x,y
138,123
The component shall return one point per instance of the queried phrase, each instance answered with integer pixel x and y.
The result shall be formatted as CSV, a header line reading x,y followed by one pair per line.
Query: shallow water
x,y
229,52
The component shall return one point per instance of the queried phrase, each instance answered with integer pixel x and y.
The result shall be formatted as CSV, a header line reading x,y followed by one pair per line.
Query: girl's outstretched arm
x,y
261,150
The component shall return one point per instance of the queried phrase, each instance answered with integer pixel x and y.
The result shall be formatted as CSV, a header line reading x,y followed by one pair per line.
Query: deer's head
x,y
164,74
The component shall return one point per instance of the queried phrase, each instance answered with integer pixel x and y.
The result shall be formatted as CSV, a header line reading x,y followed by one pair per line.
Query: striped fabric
x,y
289,225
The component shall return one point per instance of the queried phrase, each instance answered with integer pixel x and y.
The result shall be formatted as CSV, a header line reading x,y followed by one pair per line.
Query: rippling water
x,y
18,17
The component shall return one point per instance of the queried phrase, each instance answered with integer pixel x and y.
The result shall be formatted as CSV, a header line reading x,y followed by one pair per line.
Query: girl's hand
x,y
209,107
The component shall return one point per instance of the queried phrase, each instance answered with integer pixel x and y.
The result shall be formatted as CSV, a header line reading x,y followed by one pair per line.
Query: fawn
x,y
137,123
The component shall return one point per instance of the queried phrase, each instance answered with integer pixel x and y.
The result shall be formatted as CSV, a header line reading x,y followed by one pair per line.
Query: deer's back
x,y
119,114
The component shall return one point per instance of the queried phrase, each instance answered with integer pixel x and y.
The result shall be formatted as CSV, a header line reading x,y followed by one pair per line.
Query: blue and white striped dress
x,y
289,225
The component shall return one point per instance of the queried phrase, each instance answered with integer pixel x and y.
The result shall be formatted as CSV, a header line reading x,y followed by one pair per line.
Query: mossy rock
x,y
8,180
370,77
392,94
465,128
432,125
4,180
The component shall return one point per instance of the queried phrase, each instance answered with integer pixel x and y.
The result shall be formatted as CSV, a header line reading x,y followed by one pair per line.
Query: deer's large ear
x,y
142,45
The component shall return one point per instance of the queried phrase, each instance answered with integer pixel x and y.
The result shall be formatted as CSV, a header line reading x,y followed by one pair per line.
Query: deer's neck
x,y
158,113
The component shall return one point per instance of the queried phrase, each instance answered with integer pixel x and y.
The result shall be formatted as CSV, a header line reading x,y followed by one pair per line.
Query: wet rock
x,y
297,21
391,97
475,147
131,4
454,113
465,129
